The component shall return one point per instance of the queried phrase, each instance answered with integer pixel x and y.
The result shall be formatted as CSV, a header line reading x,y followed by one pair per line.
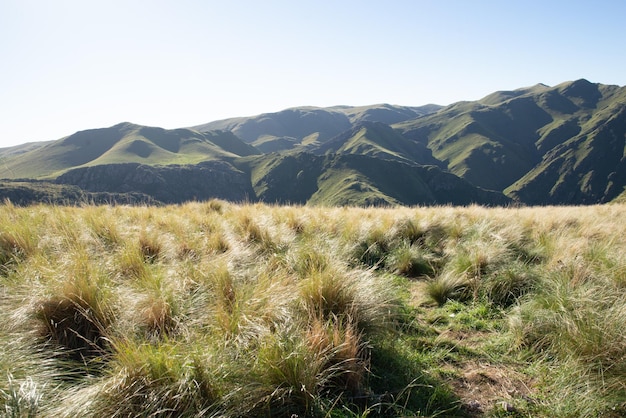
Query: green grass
x,y
217,309
124,143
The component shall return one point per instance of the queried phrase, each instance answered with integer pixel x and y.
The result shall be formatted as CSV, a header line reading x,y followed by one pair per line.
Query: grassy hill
x,y
124,143
357,180
224,310
533,141
377,140
538,145
21,149
303,127
587,168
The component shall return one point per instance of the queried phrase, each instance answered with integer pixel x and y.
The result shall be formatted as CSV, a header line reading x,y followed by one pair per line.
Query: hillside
x,y
357,180
303,127
589,167
25,193
538,145
164,184
541,144
377,140
123,143
9,152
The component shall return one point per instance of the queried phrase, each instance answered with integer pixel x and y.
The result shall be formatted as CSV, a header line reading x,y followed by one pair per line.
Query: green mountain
x,y
123,143
537,145
542,145
306,127
9,152
350,179
589,167
377,140
384,113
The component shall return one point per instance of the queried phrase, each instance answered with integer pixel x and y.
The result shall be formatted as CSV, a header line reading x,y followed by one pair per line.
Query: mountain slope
x,y
377,140
588,168
303,127
24,193
357,180
123,143
9,152
285,129
164,184
384,113
540,144
490,146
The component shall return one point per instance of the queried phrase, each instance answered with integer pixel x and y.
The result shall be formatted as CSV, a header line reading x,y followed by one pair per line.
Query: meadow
x,y
249,310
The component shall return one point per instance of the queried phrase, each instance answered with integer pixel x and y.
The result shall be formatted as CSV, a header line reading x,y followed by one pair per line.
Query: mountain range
x,y
536,145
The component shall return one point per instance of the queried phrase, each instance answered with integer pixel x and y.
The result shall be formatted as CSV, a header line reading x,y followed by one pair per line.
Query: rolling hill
x,y
123,143
535,145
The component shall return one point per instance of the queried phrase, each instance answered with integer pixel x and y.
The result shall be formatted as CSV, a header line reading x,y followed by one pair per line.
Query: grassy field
x,y
223,310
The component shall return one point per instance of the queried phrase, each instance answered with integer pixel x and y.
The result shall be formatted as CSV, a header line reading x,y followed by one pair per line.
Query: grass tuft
x,y
150,247
21,399
449,286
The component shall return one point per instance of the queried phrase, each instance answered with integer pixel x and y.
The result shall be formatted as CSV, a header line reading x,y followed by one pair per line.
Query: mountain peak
x,y
581,91
125,126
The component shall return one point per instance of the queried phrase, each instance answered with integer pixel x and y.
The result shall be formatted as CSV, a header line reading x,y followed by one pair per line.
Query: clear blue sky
x,y
69,65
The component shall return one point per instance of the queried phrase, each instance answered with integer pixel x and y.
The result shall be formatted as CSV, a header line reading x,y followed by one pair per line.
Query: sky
x,y
70,65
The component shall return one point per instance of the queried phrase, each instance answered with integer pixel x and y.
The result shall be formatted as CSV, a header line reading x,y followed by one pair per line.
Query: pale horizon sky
x,y
70,65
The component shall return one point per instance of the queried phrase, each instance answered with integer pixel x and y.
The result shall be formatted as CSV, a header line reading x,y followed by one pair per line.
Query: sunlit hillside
x,y
224,310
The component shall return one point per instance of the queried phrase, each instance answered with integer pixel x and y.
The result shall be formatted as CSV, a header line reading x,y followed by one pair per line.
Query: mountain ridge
x,y
497,141
124,143
564,144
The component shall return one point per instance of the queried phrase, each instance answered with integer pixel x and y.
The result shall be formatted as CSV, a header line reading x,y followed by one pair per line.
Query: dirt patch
x,y
483,387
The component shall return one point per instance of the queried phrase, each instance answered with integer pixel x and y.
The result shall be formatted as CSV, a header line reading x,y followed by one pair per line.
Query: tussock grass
x,y
18,237
449,286
77,313
218,309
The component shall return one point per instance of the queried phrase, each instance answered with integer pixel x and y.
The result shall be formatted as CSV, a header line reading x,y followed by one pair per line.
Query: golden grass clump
x,y
78,314
19,236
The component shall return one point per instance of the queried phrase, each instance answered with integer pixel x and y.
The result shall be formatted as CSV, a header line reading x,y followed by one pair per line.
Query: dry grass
x,y
252,310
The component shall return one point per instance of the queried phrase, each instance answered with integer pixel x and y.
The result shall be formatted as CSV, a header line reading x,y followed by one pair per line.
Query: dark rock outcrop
x,y
166,184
